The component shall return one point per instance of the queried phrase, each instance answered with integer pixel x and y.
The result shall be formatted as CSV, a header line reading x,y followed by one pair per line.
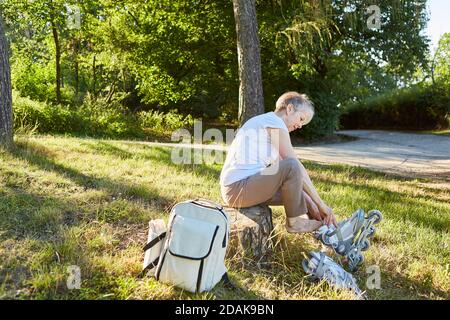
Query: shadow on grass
x,y
39,156
388,197
108,149
43,217
435,222
19,216
376,194
36,225
162,155
395,286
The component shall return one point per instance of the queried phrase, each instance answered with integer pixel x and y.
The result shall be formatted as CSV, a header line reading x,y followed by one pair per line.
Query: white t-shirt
x,y
251,150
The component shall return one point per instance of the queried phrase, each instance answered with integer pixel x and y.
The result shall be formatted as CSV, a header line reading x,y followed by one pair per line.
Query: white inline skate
x,y
351,237
319,266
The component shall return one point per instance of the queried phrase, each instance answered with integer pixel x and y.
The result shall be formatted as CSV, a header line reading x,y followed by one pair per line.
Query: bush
x,y
325,118
163,123
37,81
46,118
100,118
415,108
94,118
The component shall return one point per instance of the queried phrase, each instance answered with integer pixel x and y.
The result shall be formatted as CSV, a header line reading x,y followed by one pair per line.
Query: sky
x,y
439,23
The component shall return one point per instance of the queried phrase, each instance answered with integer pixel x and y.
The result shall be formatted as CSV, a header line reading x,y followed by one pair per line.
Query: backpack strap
x,y
150,266
227,282
154,241
148,246
207,203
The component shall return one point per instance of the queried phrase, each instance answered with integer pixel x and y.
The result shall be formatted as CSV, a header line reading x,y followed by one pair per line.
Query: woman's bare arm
x,y
282,141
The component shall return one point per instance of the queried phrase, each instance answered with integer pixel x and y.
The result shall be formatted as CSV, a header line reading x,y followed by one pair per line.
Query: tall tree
x,y
251,99
55,33
6,126
440,65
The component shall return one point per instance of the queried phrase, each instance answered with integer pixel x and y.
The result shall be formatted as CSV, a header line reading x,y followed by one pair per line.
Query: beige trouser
x,y
283,186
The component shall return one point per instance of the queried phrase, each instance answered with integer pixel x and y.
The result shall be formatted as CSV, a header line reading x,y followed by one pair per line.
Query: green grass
x,y
439,132
86,202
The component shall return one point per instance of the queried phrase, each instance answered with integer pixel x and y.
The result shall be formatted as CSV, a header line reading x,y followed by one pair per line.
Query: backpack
x,y
190,253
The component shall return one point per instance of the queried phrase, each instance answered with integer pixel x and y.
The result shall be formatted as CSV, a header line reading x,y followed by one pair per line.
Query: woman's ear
x,y
290,108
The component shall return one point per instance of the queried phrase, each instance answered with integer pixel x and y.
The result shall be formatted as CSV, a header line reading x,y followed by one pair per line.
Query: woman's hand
x,y
327,215
313,209
322,213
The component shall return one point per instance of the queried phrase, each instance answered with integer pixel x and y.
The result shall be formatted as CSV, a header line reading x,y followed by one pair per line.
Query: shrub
x,y
164,123
94,118
100,118
415,108
325,118
37,81
46,118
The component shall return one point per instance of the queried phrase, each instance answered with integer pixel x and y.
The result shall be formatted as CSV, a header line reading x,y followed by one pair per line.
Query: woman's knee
x,y
292,165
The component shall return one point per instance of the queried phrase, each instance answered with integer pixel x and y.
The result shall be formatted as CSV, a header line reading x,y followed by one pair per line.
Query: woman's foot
x,y
302,225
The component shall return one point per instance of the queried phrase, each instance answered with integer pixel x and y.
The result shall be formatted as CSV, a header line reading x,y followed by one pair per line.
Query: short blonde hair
x,y
296,99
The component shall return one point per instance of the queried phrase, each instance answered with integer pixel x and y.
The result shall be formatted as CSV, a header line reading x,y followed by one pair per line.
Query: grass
x,y
86,202
445,132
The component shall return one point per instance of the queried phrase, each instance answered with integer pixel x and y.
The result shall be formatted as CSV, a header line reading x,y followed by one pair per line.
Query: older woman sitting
x,y
261,166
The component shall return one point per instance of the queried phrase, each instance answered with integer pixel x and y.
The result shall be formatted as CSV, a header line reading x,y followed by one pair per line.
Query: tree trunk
x,y
75,45
6,122
94,76
250,234
57,61
77,77
251,99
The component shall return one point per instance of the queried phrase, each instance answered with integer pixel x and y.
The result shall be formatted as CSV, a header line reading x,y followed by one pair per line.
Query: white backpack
x,y
191,254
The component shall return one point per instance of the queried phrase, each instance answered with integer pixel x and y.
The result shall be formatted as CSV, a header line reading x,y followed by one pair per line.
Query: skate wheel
x,y
365,245
355,262
376,215
371,232
325,239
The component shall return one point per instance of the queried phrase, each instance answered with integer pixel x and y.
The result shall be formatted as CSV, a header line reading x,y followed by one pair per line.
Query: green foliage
x,y
415,108
325,119
100,118
420,107
164,122
181,55
326,50
37,80
441,63
94,118
33,80
46,118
